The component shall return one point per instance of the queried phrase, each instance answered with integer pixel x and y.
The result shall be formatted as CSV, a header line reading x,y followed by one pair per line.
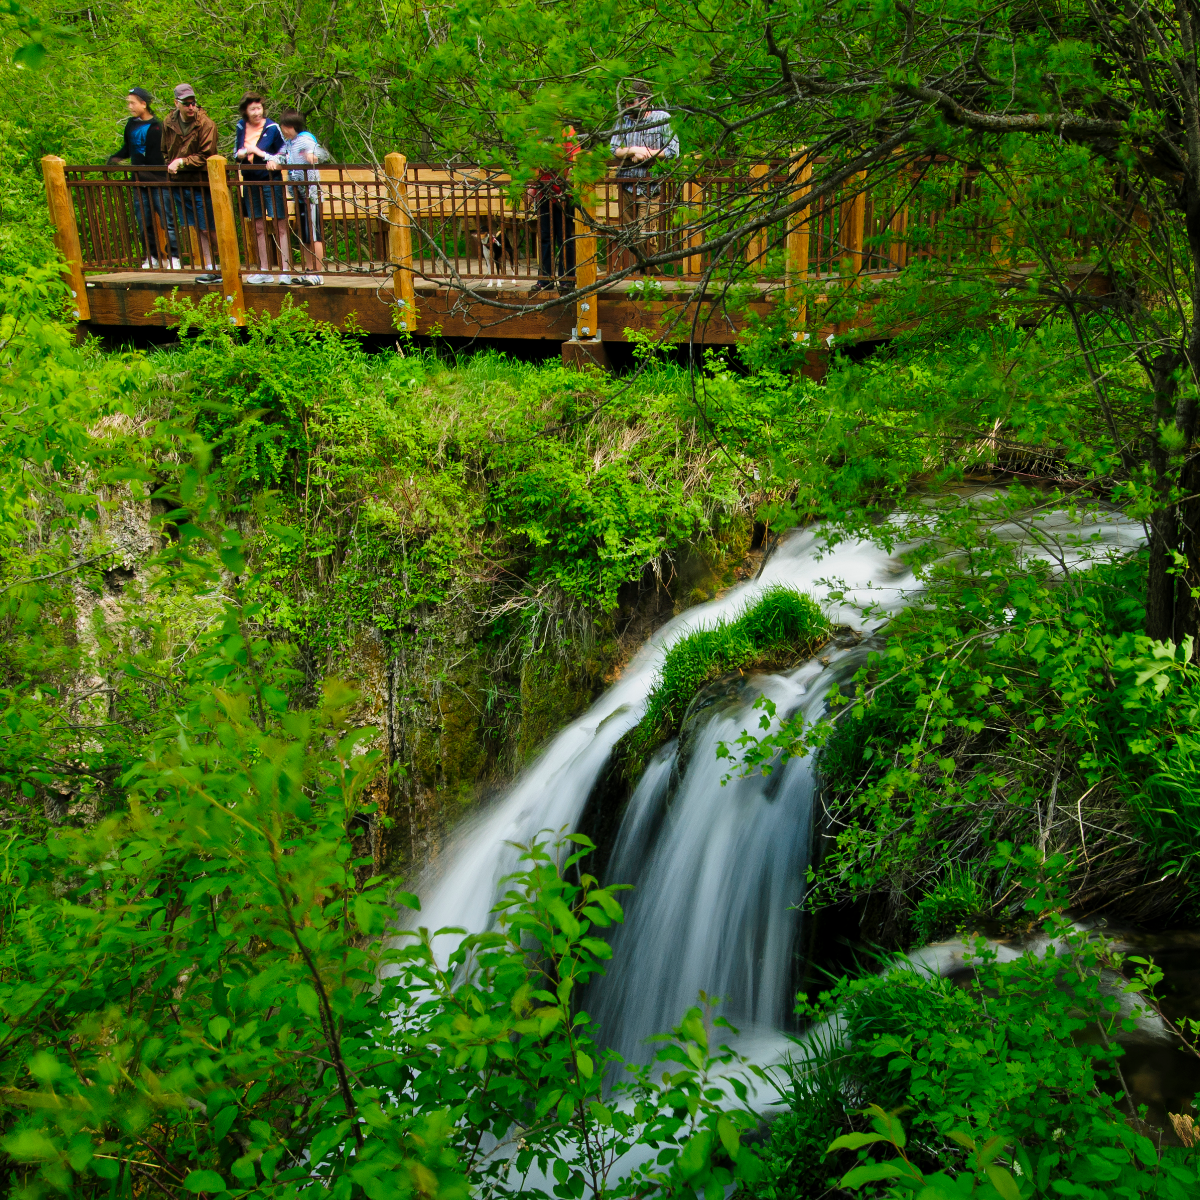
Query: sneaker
x,y
175,265
542,285
148,264
313,280
208,277
260,278
287,280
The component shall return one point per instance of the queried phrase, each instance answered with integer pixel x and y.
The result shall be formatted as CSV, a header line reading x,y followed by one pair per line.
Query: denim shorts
x,y
263,199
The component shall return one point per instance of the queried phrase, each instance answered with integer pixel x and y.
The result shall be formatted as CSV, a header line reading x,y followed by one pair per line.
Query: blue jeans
x,y
147,202
193,205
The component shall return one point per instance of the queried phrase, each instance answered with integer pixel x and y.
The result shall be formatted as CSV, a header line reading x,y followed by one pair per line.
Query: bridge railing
x,y
401,223
463,219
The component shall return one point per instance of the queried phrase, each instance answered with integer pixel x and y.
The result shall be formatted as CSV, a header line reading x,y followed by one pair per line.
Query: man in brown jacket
x,y
189,140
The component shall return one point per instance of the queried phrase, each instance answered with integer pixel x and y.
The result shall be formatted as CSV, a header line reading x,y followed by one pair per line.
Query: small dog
x,y
495,248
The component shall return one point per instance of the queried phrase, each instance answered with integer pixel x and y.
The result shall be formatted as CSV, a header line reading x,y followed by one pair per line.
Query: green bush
x,y
1014,703
1022,1060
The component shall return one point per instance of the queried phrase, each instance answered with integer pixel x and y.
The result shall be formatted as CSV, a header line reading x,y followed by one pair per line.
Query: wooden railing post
x,y
854,231
693,198
797,249
587,308
66,235
228,254
758,243
399,218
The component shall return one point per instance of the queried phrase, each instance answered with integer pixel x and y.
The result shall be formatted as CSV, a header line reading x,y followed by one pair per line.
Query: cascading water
x,y
718,871
718,877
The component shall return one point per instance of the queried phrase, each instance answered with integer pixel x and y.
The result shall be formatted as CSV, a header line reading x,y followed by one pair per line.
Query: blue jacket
x,y
269,144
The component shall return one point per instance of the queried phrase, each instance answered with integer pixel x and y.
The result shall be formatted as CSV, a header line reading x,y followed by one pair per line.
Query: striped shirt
x,y
652,130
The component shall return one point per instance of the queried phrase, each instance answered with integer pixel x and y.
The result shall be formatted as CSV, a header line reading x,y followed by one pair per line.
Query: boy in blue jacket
x,y
141,145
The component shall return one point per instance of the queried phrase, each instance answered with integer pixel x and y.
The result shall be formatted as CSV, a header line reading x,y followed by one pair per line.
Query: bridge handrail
x,y
452,221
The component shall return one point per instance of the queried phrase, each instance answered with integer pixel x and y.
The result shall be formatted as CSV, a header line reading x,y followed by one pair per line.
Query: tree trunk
x,y
1164,524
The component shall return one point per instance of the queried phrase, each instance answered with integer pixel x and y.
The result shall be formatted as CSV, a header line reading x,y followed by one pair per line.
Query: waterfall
x,y
718,870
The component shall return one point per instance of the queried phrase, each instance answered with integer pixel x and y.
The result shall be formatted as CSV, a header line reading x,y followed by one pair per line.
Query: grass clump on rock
x,y
781,627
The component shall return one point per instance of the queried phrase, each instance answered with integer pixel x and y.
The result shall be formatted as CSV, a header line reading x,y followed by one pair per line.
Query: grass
x,y
781,627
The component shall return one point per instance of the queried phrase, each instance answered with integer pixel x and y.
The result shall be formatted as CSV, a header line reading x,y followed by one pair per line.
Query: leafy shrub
x,y
1022,1061
210,988
260,395
954,900
1013,703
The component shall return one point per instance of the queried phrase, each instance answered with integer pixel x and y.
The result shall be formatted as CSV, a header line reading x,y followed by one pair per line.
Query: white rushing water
x,y
718,871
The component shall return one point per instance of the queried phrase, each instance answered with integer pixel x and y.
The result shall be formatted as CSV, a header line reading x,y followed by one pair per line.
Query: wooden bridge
x,y
435,249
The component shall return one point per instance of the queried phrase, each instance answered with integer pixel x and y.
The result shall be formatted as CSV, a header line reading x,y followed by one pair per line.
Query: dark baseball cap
x,y
141,93
183,91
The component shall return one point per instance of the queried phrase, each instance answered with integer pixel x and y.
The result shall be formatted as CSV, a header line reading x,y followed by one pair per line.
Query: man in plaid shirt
x,y
643,136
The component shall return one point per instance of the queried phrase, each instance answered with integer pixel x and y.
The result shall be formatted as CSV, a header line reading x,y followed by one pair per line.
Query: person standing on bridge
x,y
258,140
301,149
142,146
550,195
643,137
189,141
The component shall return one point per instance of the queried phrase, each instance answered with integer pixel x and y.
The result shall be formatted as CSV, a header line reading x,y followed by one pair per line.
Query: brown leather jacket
x,y
195,147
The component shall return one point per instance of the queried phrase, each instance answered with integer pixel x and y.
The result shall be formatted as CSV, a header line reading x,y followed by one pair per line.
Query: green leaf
x,y
223,1122
854,1141
306,998
204,1181
729,1136
584,1063
1003,1182
694,1156
872,1172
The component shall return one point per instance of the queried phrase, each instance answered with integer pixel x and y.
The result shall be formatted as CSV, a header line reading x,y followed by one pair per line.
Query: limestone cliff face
x,y
460,707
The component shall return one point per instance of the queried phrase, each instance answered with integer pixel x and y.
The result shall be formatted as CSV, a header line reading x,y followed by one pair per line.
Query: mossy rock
x,y
781,628
556,688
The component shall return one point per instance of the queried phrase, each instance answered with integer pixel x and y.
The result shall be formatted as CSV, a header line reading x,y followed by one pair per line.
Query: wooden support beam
x,y
395,167
898,251
228,255
693,198
758,244
587,324
797,250
66,234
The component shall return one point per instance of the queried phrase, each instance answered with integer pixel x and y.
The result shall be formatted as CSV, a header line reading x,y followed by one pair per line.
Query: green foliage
x,y
205,982
64,429
781,626
954,901
1014,703
273,394
1010,1083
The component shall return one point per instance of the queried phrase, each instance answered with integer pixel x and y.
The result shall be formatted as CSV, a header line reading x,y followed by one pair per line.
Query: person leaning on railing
x,y
141,144
301,149
189,141
643,137
259,139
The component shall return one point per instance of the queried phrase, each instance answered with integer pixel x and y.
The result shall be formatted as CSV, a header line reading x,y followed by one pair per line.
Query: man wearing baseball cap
x,y
189,141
